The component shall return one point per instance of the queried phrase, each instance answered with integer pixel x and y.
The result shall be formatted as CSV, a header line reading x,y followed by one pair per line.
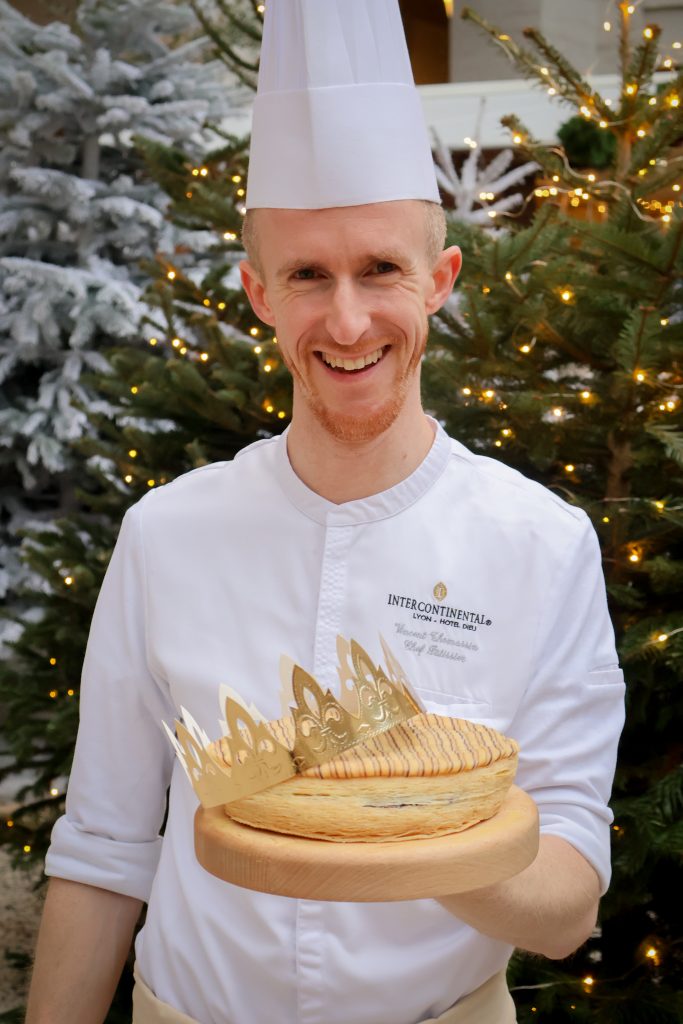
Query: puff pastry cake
x,y
427,777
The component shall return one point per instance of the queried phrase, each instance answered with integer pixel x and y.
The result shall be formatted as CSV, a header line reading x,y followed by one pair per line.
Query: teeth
x,y
353,364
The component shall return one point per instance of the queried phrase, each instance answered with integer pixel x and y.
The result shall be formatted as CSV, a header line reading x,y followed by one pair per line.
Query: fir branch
x,y
670,438
584,92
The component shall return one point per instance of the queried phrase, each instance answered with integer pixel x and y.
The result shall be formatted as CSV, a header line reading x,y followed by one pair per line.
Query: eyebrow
x,y
377,256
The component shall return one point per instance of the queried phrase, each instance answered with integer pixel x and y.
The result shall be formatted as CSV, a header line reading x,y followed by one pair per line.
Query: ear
x,y
444,274
256,292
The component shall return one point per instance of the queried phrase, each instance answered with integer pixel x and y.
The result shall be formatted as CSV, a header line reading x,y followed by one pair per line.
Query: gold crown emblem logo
x,y
319,725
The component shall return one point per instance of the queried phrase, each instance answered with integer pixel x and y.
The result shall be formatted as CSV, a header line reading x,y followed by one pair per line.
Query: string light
x,y
68,580
258,350
525,349
558,412
153,341
183,351
485,289
171,275
27,849
641,133
659,505
467,391
9,823
69,693
586,396
204,356
133,390
204,171
589,981
639,376
207,302
150,483
176,343
648,33
229,236
567,295
605,519
54,791
506,432
508,276
662,638
631,89
53,694
237,178
489,394
133,453
281,415
254,331
652,101
634,556
607,25
53,661
128,478
269,408
221,305
569,468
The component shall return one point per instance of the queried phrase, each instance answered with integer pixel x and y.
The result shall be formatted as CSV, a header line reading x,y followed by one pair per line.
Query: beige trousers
x,y
489,1004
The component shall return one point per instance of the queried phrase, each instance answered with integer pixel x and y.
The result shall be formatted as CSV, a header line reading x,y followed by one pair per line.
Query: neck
x,y
341,471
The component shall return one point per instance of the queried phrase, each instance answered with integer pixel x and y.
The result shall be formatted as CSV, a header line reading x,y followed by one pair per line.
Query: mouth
x,y
360,364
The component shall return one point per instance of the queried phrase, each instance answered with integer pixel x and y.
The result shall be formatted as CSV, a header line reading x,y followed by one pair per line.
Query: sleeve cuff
x,y
79,856
581,832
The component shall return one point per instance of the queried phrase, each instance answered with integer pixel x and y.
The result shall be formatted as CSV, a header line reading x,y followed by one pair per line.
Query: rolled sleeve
x,y
116,797
571,719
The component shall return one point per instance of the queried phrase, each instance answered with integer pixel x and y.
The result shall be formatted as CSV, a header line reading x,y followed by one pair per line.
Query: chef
x,y
363,518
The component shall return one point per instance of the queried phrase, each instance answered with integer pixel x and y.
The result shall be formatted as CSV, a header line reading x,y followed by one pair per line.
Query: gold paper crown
x,y
371,702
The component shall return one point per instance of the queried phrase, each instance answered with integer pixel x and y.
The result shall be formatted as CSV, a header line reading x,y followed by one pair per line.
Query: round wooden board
x,y
365,872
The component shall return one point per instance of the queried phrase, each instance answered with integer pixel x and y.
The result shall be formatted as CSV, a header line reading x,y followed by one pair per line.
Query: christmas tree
x,y
77,216
563,359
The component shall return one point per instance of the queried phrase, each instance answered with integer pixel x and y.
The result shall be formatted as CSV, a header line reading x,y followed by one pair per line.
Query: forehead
x,y
340,233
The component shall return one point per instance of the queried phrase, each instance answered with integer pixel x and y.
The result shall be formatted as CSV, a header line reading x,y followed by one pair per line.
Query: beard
x,y
359,428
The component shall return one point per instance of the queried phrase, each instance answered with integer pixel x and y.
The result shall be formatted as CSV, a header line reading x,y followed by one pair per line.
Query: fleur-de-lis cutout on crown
x,y
249,757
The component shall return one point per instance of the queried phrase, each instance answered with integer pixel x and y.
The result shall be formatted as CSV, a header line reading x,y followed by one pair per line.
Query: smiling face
x,y
348,291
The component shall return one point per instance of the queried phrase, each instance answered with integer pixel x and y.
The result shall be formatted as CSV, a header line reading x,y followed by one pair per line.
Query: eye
x,y
304,274
385,267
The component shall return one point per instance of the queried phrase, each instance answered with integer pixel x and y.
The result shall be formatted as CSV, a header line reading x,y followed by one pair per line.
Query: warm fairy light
x,y
591,177
639,376
666,218
667,63
558,412
489,393
544,71
556,177
641,133
153,341
631,8
605,519
567,295
182,351
551,91
503,38
69,693
517,139
204,171
506,432
229,236
508,276
660,639
602,208
585,111
467,391
68,580
53,661
648,33
237,178
258,350
128,478
261,8
195,172
204,356
281,415
221,305
54,791
485,290
631,89
671,405
254,331
171,275
267,367
607,25
659,505
586,395
634,557
53,694
133,390
525,349
9,823
27,849
570,467
676,187
188,195
176,343
492,214
588,981
642,171
652,101
207,302
133,453
269,408
150,483
498,444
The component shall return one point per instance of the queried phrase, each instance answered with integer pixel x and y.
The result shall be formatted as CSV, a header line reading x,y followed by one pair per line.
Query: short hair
x,y
435,224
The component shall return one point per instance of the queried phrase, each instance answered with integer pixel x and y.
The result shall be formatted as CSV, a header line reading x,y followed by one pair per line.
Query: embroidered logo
x,y
440,591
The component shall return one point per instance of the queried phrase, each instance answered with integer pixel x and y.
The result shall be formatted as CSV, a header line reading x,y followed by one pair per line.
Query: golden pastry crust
x,y
430,776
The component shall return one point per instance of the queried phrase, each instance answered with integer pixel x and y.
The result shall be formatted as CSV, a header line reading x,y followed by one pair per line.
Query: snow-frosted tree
x,y
78,217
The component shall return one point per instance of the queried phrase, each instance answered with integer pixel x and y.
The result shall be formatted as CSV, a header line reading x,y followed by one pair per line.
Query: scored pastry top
x,y
424,745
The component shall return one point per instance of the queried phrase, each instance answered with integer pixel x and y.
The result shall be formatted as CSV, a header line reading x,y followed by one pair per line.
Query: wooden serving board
x,y
369,872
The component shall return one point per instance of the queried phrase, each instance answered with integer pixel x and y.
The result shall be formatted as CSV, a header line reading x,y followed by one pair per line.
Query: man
x,y
362,514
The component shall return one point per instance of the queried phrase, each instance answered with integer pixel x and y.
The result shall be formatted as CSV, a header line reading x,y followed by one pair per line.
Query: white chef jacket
x,y
217,574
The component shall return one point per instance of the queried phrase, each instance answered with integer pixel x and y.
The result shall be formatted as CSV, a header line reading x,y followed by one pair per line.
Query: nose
x,y
347,318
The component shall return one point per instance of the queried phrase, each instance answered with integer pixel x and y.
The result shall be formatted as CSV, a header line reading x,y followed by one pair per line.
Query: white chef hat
x,y
337,118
